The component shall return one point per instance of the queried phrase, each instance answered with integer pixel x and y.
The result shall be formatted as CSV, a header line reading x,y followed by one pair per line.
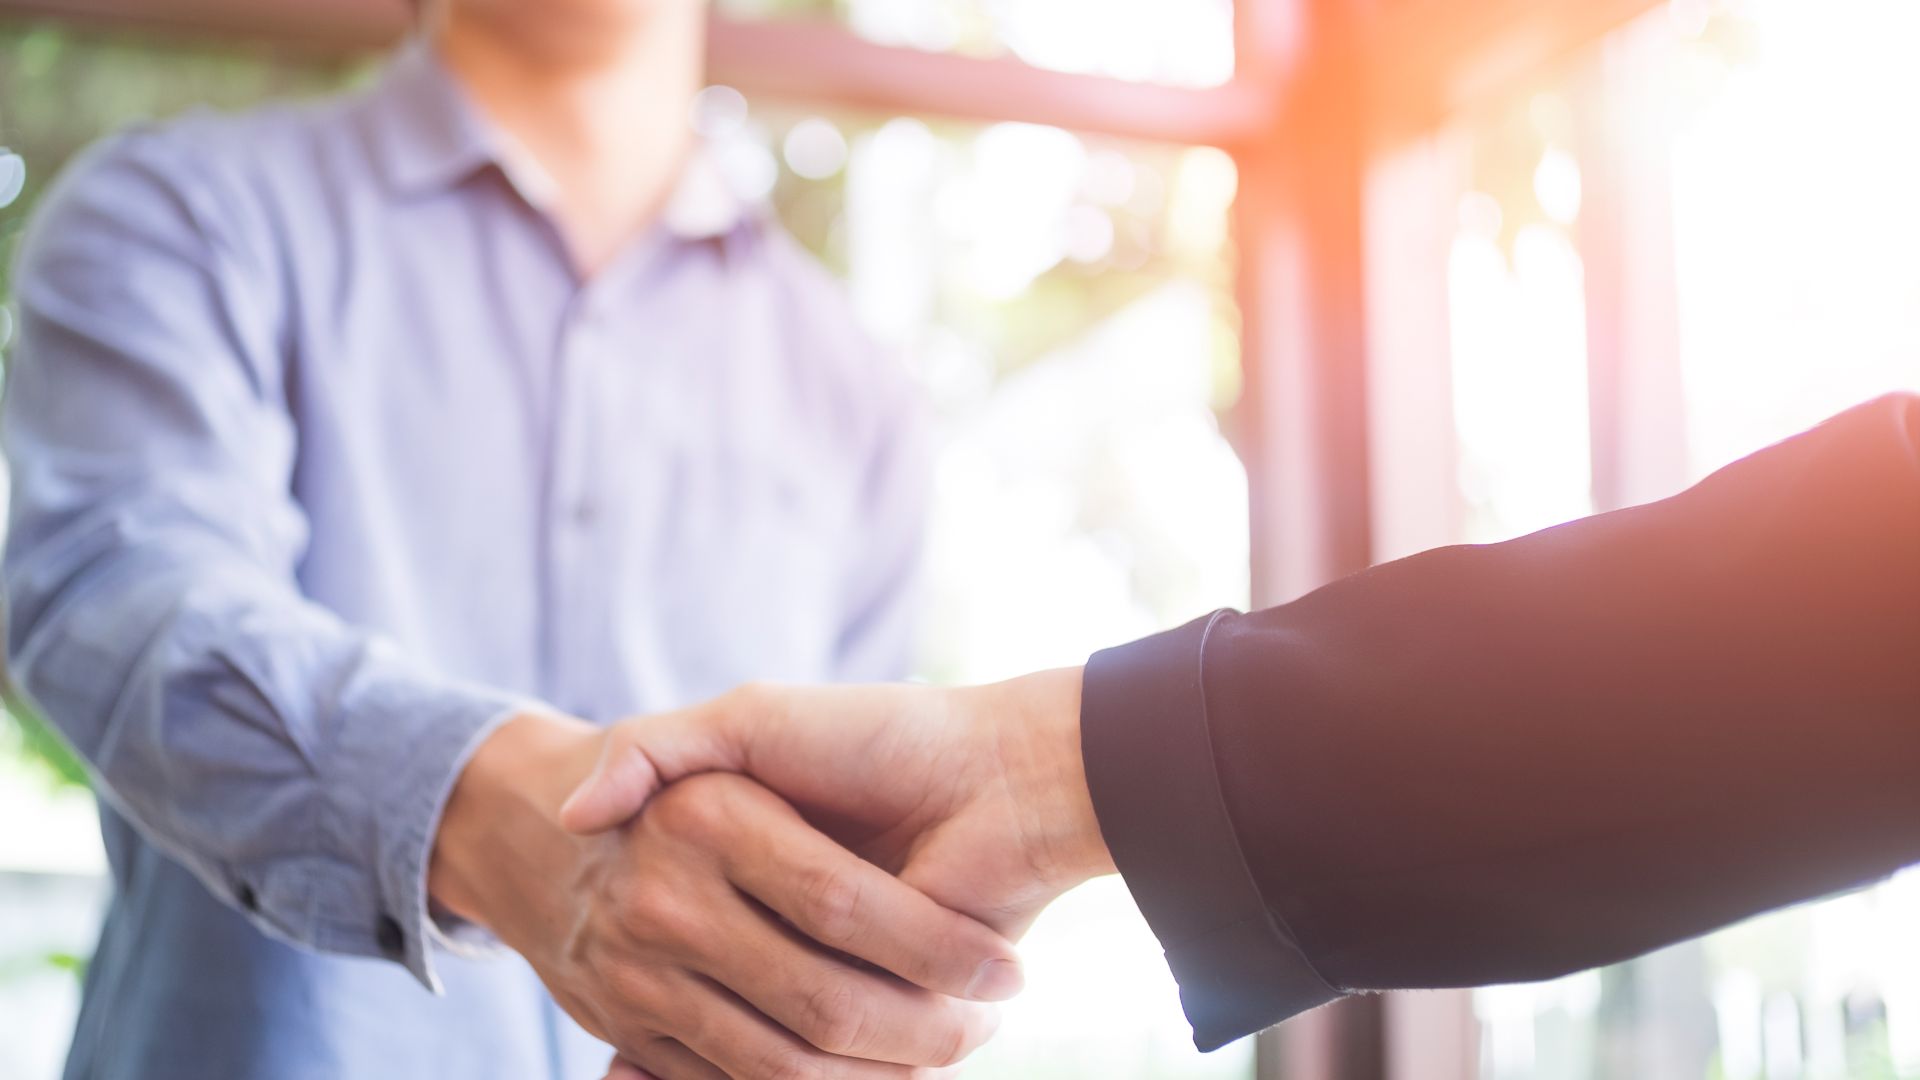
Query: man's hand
x,y
976,797
719,934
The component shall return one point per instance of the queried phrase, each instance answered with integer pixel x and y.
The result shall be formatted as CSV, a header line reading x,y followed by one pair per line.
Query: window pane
x,y
1792,163
1795,172
1178,42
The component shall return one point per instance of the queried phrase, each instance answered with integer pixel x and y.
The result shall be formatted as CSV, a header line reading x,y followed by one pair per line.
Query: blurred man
x,y
343,438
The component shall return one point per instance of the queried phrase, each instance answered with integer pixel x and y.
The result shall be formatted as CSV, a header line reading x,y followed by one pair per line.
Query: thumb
x,y
622,781
637,759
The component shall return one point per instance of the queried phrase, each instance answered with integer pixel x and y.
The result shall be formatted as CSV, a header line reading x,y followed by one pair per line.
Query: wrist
x,y
1040,740
504,807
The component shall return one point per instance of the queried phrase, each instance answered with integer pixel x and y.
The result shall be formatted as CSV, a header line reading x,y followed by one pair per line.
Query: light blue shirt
x,y
324,460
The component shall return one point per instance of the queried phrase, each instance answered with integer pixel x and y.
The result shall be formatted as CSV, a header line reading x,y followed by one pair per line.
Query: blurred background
x,y
1216,301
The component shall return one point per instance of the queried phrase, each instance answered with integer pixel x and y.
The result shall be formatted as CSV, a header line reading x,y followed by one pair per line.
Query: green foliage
x,y
39,744
34,964
66,961
62,87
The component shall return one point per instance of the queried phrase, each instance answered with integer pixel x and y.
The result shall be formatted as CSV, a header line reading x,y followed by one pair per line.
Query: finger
x,y
619,785
720,1028
642,755
665,1059
624,1070
848,904
835,1006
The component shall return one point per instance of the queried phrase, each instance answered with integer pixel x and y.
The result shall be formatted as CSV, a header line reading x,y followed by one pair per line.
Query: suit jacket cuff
x,y
1150,768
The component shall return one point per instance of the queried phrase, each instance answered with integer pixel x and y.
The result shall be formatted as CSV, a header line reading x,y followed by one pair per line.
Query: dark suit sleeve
x,y
1505,763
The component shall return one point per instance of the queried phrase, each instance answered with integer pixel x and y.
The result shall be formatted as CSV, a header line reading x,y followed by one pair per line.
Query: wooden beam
x,y
1302,423
1342,1041
1432,1036
1302,420
810,61
823,63
1427,60
332,26
1267,36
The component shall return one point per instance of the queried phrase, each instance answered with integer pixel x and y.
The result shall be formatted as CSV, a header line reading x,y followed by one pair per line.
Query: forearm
x,y
293,764
1503,763
1036,732
1596,740
498,848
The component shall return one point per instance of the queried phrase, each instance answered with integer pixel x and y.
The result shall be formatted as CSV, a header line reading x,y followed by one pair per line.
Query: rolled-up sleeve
x,y
296,764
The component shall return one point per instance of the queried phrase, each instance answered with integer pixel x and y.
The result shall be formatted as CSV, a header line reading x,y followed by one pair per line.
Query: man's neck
x,y
603,113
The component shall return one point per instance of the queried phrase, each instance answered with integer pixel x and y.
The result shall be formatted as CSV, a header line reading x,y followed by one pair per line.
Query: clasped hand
x,y
840,906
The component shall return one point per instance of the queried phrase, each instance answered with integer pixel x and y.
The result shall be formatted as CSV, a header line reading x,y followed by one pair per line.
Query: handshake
x,y
1473,766
780,883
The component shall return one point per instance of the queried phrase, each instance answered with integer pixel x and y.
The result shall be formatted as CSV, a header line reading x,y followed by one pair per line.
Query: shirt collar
x,y
430,137
427,135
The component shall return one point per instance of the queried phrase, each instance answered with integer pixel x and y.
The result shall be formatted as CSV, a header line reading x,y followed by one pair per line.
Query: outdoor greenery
x,y
61,88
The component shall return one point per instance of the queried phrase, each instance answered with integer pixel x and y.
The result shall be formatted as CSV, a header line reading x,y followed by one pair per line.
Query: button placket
x,y
577,503
575,508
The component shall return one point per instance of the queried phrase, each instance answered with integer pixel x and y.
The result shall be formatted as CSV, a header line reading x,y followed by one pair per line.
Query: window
x,y
1690,240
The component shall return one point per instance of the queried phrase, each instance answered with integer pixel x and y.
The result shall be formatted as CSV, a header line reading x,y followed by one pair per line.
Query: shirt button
x,y
243,895
391,939
583,514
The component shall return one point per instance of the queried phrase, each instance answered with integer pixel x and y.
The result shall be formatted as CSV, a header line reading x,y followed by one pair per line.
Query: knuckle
x,y
658,915
693,1027
633,1040
951,1045
637,990
943,957
790,1063
689,810
752,695
636,996
756,702
963,1033
835,1018
649,1005
831,901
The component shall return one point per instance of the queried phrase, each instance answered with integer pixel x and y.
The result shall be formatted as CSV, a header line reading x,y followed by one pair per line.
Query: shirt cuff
x,y
1150,768
410,738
